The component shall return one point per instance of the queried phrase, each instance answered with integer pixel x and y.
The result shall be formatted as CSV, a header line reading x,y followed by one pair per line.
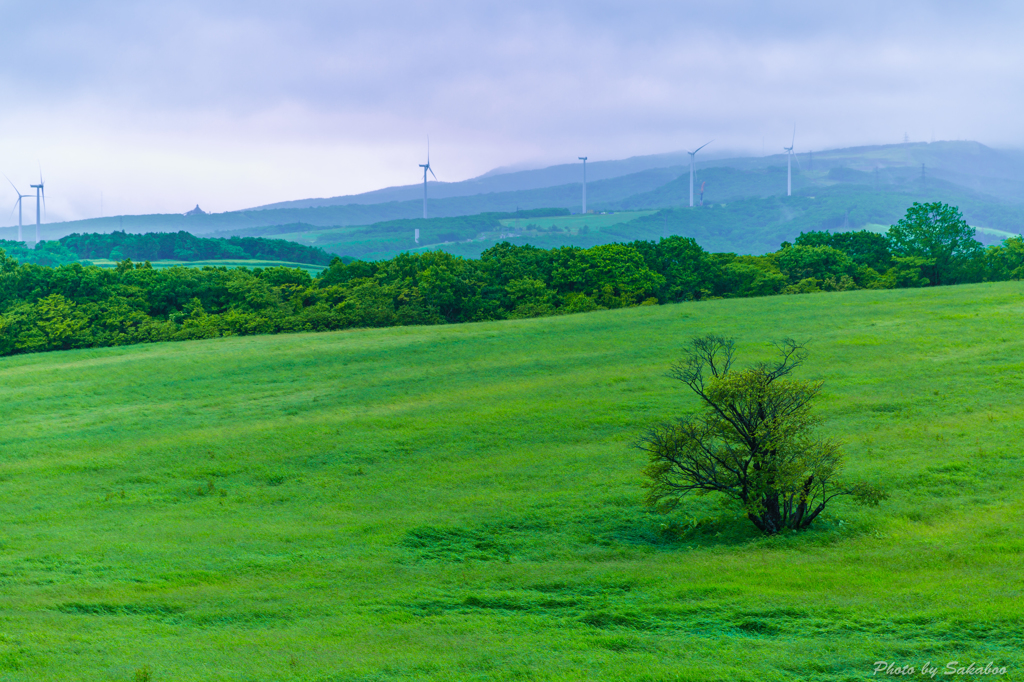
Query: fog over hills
x,y
495,182
232,105
971,164
988,184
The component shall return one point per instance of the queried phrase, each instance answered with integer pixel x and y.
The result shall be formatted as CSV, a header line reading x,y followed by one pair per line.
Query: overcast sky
x,y
159,106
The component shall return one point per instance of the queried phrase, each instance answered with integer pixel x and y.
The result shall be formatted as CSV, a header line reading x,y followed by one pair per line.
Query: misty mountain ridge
x,y
988,184
971,164
497,181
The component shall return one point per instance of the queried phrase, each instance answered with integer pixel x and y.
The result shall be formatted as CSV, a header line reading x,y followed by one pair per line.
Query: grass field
x,y
463,503
353,240
332,235
241,263
573,223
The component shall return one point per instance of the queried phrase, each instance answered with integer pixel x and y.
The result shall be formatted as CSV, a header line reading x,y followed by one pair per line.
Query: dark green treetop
x,y
939,234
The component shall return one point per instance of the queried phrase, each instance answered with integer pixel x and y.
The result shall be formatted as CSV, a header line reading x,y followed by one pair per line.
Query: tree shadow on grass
x,y
688,529
597,533
682,531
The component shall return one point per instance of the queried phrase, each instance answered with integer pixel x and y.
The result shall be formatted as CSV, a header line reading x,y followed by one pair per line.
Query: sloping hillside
x,y
464,502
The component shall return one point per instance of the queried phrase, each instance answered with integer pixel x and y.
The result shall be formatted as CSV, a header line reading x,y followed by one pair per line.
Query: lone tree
x,y
940,238
752,441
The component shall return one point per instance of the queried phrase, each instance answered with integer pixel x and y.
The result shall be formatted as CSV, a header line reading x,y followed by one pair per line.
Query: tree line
x,y
154,246
185,246
77,306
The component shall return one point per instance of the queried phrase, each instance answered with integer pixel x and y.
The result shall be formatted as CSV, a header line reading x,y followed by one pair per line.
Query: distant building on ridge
x,y
196,211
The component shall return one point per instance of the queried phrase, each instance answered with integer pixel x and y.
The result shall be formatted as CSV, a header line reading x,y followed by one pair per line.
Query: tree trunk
x,y
798,517
770,521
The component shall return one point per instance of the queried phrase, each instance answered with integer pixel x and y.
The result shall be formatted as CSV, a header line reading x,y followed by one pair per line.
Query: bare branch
x,y
793,355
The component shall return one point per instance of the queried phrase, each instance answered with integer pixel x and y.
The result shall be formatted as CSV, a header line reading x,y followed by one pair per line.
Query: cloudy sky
x,y
155,107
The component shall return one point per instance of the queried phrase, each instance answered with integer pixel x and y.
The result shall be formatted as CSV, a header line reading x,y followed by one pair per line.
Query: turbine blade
x,y
792,142
702,146
12,184
431,172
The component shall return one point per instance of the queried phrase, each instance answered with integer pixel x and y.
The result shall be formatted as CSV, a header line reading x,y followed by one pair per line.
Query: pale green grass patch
x,y
573,223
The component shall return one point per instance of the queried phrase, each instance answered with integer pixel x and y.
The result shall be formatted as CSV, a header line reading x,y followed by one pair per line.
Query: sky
x,y
147,107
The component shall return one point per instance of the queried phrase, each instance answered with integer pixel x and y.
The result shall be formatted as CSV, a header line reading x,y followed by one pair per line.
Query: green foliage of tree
x,y
939,236
48,324
753,441
686,267
1005,261
368,304
530,298
744,276
906,273
818,262
44,253
612,275
863,247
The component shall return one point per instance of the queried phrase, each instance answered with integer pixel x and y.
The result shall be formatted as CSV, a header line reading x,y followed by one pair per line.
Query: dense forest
x,y
182,246
44,253
75,306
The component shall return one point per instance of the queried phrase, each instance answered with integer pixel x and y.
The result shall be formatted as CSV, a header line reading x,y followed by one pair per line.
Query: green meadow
x,y
574,223
464,503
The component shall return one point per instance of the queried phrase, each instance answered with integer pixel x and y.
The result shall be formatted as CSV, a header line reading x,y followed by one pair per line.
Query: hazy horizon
x,y
231,105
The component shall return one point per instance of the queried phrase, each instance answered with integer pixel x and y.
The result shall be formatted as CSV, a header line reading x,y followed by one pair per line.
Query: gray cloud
x,y
235,104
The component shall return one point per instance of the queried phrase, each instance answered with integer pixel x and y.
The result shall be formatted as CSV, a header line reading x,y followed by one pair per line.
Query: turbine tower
x,y
426,167
789,164
40,192
584,160
20,197
692,154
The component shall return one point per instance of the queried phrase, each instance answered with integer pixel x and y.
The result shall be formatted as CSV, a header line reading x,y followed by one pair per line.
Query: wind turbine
x,y
426,167
584,160
20,197
789,164
40,192
692,154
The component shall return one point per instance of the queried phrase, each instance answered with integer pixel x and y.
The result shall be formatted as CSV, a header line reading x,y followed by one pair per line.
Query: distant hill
x,y
751,225
999,173
243,222
515,181
877,183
